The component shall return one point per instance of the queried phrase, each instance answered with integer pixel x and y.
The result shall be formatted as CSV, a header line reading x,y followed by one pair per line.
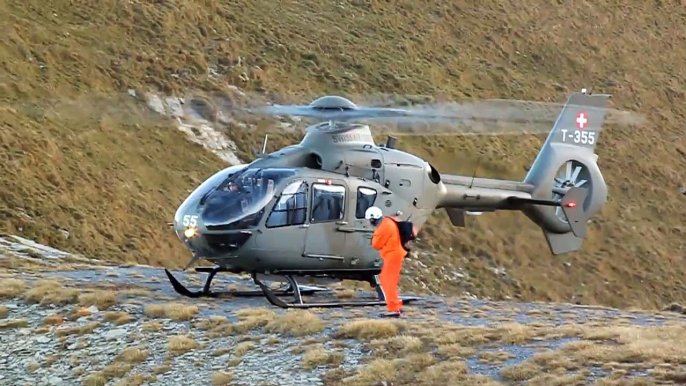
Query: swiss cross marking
x,y
581,120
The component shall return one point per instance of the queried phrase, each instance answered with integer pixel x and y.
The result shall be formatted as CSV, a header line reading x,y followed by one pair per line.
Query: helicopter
x,y
298,214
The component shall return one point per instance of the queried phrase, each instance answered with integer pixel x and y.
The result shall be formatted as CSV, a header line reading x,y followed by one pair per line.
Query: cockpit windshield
x,y
239,201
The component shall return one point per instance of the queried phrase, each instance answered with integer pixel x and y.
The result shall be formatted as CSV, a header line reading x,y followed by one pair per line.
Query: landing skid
x,y
273,298
206,293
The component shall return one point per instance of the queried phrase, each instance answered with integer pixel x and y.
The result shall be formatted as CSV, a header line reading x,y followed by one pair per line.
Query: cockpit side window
x,y
291,208
365,200
328,203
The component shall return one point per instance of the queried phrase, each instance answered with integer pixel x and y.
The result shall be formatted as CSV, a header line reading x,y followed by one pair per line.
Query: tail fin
x,y
579,122
566,160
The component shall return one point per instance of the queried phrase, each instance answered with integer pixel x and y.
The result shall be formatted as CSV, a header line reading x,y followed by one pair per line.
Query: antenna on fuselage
x,y
471,184
264,145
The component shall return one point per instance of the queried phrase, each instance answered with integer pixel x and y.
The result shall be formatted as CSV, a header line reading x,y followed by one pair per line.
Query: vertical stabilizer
x,y
567,159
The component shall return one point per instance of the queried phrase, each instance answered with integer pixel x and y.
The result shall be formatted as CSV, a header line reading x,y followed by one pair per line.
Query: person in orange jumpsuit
x,y
388,241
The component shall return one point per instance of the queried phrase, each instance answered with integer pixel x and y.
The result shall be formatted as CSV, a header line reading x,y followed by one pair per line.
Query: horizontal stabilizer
x,y
572,207
456,216
560,243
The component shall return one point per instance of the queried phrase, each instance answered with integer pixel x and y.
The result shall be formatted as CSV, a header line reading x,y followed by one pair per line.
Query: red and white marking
x,y
581,120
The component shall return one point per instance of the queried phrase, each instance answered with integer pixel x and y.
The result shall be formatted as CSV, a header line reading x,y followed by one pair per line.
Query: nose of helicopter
x,y
204,242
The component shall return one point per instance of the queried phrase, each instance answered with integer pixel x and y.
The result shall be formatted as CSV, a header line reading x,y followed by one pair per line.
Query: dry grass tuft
x,y
261,313
95,379
133,355
136,293
180,344
4,312
221,351
210,323
320,356
158,370
51,359
151,326
456,350
345,293
242,348
443,373
295,323
173,311
32,366
108,373
137,379
12,324
79,330
221,378
11,288
79,312
116,370
51,292
370,329
494,356
515,333
397,346
235,361
103,300
248,319
118,317
53,320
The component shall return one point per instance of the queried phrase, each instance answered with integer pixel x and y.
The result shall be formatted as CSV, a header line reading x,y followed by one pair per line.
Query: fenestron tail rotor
x,y
571,174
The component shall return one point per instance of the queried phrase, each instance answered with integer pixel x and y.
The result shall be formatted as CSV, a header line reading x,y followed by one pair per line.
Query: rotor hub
x,y
333,102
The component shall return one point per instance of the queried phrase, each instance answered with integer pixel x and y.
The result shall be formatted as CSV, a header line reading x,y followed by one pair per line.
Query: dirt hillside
x,y
86,168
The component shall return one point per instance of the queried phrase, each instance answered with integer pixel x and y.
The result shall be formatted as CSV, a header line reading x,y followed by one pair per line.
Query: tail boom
x,y
460,198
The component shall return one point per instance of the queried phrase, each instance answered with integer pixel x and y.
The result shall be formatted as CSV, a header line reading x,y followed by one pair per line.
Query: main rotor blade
x,y
395,115
472,117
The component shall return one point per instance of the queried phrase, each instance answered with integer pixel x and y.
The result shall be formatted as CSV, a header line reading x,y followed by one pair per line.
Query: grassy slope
x,y
113,176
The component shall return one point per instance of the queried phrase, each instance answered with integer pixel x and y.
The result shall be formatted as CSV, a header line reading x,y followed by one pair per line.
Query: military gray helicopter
x,y
298,213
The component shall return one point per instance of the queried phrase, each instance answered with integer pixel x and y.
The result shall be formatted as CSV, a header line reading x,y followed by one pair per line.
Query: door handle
x,y
353,229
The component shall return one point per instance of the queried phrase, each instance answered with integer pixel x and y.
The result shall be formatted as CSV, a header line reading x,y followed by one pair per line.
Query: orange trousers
x,y
389,278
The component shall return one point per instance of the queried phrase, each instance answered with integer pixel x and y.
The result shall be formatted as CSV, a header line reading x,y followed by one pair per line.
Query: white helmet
x,y
373,213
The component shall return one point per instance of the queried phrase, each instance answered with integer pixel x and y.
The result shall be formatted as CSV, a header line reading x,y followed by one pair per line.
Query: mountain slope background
x,y
87,168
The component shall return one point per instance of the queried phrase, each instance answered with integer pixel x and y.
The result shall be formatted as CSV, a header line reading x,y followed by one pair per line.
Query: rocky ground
x,y
82,324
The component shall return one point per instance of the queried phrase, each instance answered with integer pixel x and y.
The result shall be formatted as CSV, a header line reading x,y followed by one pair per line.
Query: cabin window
x,y
328,203
291,208
365,200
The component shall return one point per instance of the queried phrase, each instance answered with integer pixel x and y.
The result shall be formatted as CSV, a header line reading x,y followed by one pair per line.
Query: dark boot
x,y
391,314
